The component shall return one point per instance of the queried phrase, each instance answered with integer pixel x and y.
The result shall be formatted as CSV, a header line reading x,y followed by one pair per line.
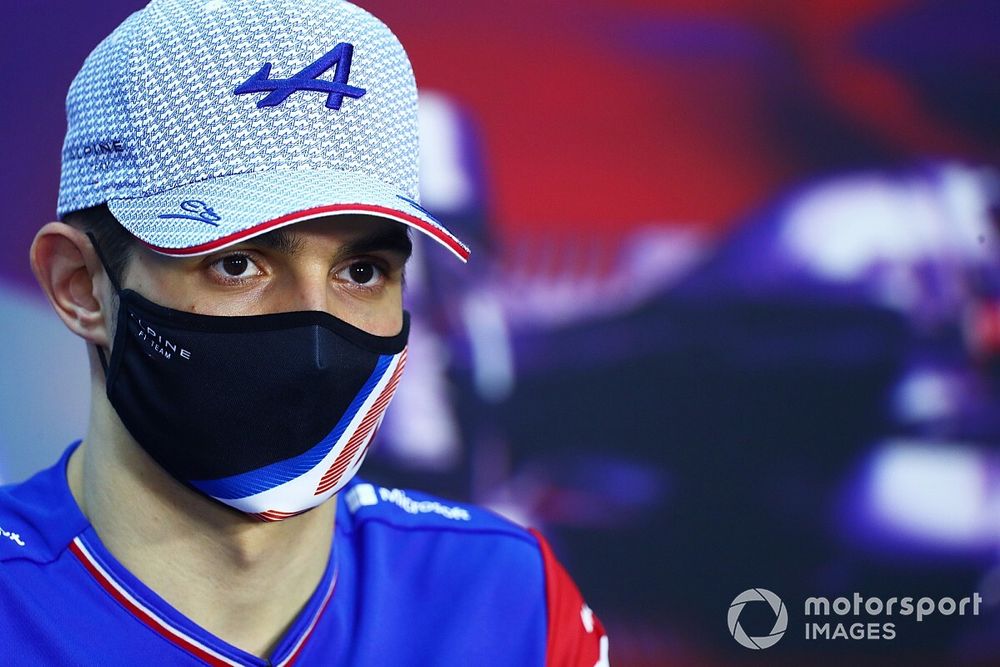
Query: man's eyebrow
x,y
279,241
396,239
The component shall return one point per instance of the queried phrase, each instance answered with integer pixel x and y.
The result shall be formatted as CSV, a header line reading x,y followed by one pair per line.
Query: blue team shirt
x,y
412,580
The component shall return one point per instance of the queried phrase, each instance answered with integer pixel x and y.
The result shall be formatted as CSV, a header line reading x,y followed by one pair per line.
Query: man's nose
x,y
313,292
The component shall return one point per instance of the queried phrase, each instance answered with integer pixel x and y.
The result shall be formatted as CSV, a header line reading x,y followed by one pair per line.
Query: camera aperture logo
x,y
780,621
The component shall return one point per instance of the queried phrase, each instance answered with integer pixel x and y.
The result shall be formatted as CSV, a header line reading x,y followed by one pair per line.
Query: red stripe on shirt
x,y
141,613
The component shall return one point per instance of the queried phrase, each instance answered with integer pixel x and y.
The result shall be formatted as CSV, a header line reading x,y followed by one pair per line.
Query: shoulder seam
x,y
43,556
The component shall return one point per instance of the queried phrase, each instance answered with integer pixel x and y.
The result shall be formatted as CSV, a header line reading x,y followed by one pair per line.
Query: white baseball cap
x,y
205,123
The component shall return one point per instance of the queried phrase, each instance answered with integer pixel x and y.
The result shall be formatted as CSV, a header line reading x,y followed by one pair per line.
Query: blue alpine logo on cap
x,y
306,79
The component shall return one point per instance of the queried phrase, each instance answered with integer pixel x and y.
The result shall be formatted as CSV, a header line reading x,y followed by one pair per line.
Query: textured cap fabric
x,y
204,123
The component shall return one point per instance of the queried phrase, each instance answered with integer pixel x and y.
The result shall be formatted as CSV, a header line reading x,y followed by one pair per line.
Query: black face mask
x,y
269,414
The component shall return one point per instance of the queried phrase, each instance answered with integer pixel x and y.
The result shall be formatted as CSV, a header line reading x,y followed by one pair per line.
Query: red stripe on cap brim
x,y
439,235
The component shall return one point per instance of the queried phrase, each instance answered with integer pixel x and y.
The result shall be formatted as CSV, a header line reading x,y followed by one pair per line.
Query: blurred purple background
x,y
733,314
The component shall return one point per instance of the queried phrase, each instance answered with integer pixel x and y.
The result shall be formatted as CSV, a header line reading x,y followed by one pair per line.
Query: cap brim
x,y
209,215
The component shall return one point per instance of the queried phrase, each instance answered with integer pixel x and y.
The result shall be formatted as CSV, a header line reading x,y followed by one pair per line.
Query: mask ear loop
x,y
114,283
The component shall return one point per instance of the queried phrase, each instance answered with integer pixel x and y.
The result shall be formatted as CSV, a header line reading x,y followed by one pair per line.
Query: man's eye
x,y
237,266
361,273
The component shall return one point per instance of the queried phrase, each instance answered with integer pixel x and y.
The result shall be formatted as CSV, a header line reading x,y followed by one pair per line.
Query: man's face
x,y
348,266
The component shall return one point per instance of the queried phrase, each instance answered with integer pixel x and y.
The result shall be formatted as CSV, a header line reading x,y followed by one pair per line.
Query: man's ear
x,y
70,273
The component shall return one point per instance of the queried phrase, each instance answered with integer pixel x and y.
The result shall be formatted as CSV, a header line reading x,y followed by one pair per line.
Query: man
x,y
238,181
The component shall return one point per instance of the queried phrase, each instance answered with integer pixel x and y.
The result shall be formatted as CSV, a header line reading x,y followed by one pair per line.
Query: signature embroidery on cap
x,y
306,79
13,537
200,210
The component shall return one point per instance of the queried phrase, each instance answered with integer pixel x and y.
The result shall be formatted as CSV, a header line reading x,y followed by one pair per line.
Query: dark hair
x,y
115,243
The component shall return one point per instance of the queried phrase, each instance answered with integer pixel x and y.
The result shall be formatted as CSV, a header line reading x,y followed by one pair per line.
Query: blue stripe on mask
x,y
256,481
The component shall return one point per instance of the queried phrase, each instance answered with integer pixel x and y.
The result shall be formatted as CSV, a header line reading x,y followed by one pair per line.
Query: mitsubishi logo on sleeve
x,y
307,79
